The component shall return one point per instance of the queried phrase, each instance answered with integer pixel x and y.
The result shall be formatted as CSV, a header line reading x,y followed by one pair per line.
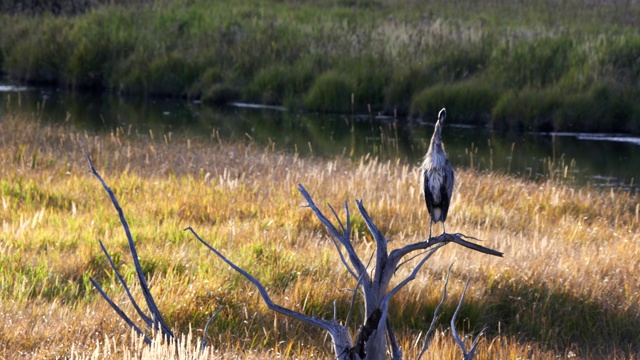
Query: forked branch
x,y
154,321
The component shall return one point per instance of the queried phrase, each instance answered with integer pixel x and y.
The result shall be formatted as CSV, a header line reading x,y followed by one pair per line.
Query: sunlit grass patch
x,y
567,283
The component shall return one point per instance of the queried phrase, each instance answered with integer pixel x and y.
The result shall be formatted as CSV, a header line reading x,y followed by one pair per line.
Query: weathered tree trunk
x,y
376,289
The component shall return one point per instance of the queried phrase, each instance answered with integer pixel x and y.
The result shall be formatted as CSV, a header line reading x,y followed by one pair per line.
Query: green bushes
x,y
404,83
604,108
39,58
529,109
622,60
537,63
527,72
468,102
281,84
331,91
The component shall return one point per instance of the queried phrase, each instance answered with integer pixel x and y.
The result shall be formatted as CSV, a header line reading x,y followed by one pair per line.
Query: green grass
x,y
567,284
386,56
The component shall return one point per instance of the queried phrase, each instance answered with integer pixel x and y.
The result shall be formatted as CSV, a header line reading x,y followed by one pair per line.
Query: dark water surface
x,y
601,160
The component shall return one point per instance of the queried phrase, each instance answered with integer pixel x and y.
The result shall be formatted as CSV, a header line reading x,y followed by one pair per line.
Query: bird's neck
x,y
436,142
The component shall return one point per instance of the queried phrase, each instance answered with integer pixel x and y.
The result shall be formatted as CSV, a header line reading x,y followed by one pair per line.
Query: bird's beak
x,y
442,115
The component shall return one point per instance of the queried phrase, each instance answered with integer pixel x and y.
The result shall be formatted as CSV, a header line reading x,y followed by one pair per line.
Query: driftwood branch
x,y
386,300
120,313
142,315
445,238
203,343
436,315
467,355
343,238
396,352
339,334
155,319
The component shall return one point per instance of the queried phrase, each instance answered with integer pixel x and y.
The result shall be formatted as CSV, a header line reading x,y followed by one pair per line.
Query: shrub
x,y
45,64
131,74
605,108
97,44
280,83
370,74
331,91
171,74
403,84
622,61
469,101
536,63
530,109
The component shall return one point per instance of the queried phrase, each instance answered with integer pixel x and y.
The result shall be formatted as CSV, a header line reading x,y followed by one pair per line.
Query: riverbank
x,y
536,66
566,287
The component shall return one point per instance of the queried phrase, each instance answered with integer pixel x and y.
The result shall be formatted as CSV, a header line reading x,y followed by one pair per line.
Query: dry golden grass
x,y
567,286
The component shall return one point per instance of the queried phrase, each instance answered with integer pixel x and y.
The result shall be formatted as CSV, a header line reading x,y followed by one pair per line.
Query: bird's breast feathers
x,y
435,177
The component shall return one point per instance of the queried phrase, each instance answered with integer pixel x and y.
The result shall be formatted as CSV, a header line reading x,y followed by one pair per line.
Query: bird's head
x,y
442,115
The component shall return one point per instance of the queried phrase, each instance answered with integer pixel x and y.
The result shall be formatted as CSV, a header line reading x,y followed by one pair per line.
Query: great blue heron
x,y
437,177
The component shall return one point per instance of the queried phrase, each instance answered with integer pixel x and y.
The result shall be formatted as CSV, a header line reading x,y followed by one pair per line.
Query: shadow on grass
x,y
559,320
535,312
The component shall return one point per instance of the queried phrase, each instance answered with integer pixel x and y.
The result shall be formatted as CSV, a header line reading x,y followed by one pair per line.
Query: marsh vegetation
x,y
542,65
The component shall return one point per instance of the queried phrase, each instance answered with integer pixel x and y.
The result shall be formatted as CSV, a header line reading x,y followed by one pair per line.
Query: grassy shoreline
x,y
540,65
567,284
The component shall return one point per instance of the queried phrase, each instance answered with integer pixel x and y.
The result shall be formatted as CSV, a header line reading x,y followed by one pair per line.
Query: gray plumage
x,y
437,176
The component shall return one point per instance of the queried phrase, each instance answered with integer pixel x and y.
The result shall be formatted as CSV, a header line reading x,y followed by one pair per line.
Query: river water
x,y
599,160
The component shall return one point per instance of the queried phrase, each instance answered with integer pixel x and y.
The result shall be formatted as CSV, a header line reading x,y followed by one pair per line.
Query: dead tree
x,y
377,331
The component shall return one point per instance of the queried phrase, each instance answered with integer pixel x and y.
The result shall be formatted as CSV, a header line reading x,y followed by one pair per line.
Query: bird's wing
x,y
449,179
446,190
428,196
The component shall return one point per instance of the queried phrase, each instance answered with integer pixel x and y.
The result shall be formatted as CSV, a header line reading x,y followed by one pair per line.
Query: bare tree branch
x,y
365,332
206,327
343,260
353,301
467,355
339,334
371,336
381,244
346,231
120,312
375,287
344,238
396,352
397,254
384,304
390,294
158,321
142,315
436,315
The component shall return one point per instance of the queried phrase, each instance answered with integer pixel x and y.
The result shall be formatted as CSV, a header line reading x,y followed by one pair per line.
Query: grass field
x,y
566,287
568,66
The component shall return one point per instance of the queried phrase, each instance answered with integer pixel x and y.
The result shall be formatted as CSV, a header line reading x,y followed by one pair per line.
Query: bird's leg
x,y
443,229
430,224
